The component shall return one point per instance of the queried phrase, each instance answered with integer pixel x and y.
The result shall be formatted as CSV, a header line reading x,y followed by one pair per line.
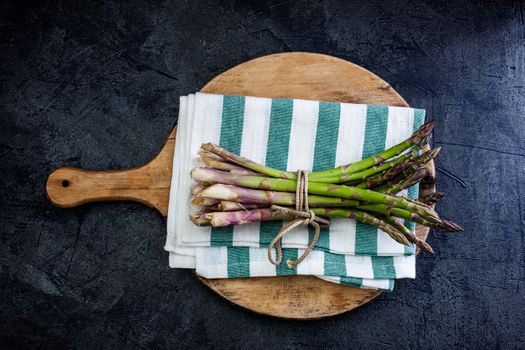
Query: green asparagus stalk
x,y
403,183
382,168
384,210
418,202
363,217
367,173
245,162
421,136
247,195
406,168
411,236
225,218
212,162
419,161
441,224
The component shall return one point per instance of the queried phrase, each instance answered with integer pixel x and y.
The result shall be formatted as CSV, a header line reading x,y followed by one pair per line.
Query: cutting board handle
x,y
69,187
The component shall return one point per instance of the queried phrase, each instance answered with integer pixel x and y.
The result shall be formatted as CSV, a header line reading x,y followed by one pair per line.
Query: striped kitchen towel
x,y
270,131
294,134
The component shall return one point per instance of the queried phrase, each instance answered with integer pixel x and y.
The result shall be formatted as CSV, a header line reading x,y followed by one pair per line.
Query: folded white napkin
x,y
291,134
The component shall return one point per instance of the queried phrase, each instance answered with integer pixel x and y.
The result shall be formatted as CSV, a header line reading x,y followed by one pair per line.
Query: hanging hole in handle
x,y
65,183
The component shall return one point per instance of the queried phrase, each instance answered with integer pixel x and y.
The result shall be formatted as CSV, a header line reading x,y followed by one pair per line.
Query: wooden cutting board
x,y
286,75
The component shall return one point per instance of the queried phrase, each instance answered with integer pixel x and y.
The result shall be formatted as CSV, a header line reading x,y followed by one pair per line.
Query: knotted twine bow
x,y
303,216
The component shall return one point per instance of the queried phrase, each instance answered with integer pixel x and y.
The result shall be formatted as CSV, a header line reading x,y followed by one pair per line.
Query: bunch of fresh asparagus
x,y
234,190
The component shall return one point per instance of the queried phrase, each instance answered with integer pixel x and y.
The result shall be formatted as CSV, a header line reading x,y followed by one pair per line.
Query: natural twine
x,y
303,216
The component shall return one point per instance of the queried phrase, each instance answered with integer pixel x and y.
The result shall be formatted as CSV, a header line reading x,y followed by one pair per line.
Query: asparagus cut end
x,y
199,219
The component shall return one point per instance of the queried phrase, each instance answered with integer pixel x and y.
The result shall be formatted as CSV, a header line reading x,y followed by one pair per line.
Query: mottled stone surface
x,y
95,85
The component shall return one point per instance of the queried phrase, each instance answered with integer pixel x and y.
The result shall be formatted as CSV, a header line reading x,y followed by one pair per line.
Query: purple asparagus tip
x,y
423,134
424,246
433,197
452,226
434,152
438,195
427,128
420,174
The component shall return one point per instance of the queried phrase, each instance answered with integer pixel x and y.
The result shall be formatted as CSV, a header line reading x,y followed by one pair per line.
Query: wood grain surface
x,y
287,75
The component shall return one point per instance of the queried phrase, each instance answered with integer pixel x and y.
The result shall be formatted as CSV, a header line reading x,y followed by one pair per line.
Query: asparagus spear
x,y
248,195
245,162
396,187
219,219
432,198
372,171
407,215
421,136
225,218
221,165
412,167
424,246
421,159
382,177
406,168
375,170
330,190
363,217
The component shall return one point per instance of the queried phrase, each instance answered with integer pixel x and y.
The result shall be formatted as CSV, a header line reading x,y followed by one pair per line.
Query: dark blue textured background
x,y
95,85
